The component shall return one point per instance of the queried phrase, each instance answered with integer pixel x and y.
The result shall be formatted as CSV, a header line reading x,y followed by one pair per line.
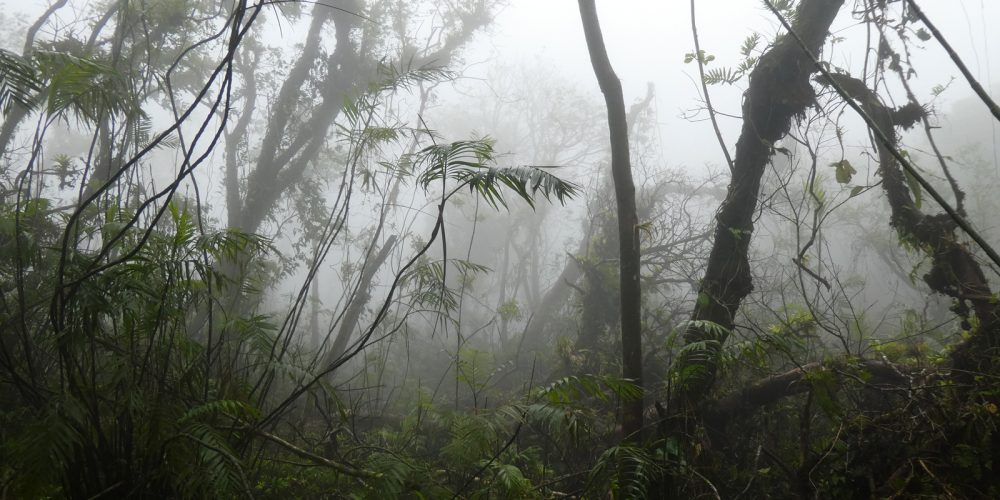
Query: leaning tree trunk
x,y
779,90
352,315
628,223
954,271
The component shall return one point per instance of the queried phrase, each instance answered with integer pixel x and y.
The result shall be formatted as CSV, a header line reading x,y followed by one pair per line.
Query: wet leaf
x,y
844,171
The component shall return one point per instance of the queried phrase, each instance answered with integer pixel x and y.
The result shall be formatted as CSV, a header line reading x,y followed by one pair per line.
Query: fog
x,y
394,248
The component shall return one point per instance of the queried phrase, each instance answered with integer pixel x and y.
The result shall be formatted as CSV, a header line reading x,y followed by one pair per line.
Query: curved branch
x,y
312,457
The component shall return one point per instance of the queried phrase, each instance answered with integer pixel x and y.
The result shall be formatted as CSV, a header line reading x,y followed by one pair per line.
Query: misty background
x,y
390,288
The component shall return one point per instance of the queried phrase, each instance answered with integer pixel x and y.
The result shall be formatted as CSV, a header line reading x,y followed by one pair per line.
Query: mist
x,y
499,249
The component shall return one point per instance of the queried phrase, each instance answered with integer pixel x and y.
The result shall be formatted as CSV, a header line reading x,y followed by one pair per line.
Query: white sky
x,y
647,40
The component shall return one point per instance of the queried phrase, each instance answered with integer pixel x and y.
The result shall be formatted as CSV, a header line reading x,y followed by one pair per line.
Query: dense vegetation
x,y
237,266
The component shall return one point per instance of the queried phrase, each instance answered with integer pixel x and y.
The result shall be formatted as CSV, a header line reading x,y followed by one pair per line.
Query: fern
x,y
393,472
626,471
749,44
472,438
257,331
509,482
47,447
218,472
722,75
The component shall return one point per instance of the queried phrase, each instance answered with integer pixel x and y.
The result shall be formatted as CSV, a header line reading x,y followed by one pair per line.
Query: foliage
x,y
18,81
146,349
466,162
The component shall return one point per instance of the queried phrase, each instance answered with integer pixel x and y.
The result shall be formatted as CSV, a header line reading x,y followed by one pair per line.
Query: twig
x,y
957,60
962,223
704,90
812,273
341,468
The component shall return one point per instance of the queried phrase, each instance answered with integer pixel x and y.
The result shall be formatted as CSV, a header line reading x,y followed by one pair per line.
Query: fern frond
x,y
728,76
219,472
509,482
749,44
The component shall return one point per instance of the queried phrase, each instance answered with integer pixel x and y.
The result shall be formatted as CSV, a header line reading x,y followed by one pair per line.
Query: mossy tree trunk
x,y
779,90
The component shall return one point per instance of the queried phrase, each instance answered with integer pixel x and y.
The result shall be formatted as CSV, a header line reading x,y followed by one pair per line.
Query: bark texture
x,y
779,90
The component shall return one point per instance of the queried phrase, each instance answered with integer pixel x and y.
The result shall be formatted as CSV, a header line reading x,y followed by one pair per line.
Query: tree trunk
x,y
628,223
779,90
954,272
538,332
349,323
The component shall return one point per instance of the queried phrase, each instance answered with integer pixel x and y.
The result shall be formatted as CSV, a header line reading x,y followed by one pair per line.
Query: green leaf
x,y
702,299
914,187
84,87
856,190
844,171
702,57
470,163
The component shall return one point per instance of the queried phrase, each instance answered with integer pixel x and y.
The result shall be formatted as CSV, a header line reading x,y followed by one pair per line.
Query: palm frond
x,y
18,81
219,472
626,471
405,76
573,388
470,163
83,87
